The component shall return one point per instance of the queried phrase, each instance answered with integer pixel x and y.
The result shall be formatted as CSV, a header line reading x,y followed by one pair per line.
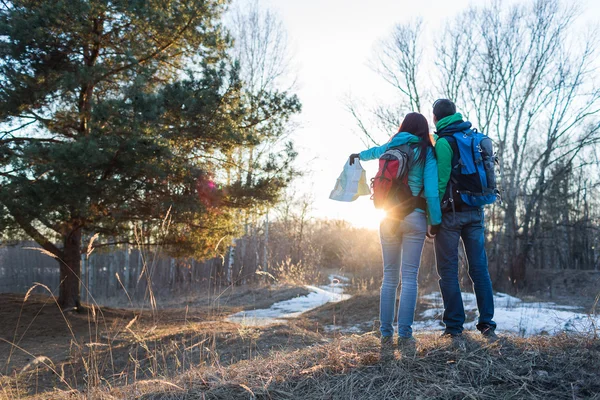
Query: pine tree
x,y
115,112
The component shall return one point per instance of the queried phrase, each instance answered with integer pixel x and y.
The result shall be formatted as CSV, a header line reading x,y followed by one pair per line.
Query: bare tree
x,y
533,96
261,47
262,54
400,60
454,55
364,123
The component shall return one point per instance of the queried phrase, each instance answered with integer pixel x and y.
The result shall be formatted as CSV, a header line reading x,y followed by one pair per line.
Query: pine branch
x,y
151,55
36,235
9,132
24,139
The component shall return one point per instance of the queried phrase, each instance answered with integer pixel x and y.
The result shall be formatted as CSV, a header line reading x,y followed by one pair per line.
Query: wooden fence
x,y
125,274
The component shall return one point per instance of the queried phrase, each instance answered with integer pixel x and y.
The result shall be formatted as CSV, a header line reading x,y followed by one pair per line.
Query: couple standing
x,y
430,176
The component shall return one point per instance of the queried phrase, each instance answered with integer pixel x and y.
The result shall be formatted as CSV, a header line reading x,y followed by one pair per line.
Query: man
x,y
459,220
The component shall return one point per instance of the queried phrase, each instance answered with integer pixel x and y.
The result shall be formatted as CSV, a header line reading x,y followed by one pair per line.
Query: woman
x,y
404,241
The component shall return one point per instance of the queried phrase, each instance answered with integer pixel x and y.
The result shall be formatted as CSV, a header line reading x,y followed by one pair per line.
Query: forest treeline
x,y
294,249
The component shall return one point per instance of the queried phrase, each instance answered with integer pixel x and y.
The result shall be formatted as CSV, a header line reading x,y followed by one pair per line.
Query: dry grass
x,y
192,353
43,348
561,367
113,347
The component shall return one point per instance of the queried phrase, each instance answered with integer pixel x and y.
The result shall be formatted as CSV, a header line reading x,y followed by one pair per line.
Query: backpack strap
x,y
450,199
409,149
455,162
417,201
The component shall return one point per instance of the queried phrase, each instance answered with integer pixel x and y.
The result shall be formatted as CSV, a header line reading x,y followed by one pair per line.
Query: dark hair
x,y
417,124
443,108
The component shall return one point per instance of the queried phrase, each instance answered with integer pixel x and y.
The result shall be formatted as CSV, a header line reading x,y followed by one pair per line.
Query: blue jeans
x,y
470,226
400,242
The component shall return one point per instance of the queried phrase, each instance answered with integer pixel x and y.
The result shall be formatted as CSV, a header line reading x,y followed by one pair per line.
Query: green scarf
x,y
450,119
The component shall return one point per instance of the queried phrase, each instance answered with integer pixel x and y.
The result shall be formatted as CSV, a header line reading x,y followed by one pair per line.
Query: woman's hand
x,y
432,230
353,157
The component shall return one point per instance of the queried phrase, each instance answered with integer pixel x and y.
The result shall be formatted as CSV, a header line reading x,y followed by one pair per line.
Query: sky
x,y
332,42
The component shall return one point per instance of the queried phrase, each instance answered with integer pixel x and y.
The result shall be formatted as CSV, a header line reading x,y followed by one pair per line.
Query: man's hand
x,y
353,157
432,230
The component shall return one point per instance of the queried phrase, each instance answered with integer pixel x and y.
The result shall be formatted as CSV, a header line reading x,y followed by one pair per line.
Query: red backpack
x,y
390,186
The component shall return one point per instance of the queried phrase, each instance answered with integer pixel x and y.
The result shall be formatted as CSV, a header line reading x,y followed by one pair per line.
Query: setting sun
x,y
361,212
366,215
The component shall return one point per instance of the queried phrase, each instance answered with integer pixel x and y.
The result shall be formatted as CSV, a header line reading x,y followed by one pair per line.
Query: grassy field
x,y
189,351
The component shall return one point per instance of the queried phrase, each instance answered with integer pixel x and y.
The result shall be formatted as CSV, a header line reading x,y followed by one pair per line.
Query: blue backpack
x,y
473,177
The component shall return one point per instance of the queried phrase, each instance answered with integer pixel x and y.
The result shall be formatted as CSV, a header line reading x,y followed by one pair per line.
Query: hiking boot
x,y
458,340
407,346
406,341
451,335
387,341
489,333
387,348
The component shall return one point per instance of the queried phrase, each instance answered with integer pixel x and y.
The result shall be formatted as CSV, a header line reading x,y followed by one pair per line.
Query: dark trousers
x,y
470,226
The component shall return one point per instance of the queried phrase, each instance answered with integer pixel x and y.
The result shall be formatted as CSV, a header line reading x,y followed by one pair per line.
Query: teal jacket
x,y
418,177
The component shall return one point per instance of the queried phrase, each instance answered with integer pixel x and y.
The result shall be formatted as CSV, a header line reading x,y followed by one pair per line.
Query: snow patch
x,y
513,315
345,329
292,308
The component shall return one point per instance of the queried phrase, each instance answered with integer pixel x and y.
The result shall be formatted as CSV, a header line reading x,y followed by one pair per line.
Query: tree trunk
x,y
70,272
